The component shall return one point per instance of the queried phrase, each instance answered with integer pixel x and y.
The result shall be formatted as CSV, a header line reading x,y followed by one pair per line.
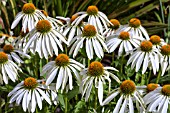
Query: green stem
x,y
88,62
148,77
66,99
143,79
121,67
158,77
96,100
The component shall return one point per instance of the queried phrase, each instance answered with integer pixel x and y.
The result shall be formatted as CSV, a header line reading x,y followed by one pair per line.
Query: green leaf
x,y
73,92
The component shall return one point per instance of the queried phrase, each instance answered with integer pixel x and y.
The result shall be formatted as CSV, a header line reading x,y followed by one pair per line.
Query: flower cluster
x,y
71,51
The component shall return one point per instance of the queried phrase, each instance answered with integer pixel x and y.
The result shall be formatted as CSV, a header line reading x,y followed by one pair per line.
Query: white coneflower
x,y
146,55
92,41
128,93
6,39
96,74
8,69
44,39
165,58
56,23
64,68
13,53
29,15
138,31
69,30
95,17
157,41
20,42
30,93
123,41
113,28
158,99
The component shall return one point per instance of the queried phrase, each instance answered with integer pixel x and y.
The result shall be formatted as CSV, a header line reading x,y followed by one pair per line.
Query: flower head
x,y
62,60
166,90
28,8
165,50
95,69
122,41
43,26
151,87
92,10
30,83
134,22
116,24
8,48
155,39
127,87
73,17
89,31
124,35
3,57
44,12
146,46
137,30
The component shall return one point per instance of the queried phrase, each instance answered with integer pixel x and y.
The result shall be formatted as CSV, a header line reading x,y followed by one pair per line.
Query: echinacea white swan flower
x,y
64,68
138,31
113,28
128,92
29,93
95,17
13,53
68,30
96,74
29,15
165,58
91,40
157,41
9,70
123,41
44,39
145,56
157,101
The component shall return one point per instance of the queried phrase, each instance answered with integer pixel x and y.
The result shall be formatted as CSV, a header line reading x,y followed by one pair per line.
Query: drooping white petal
x,y
100,91
116,110
110,97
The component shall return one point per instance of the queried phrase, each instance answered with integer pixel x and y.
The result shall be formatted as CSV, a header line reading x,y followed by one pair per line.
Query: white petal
x,y
145,63
70,79
17,19
38,99
33,102
131,108
59,78
44,95
139,61
116,110
122,110
100,92
51,76
110,97
24,101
